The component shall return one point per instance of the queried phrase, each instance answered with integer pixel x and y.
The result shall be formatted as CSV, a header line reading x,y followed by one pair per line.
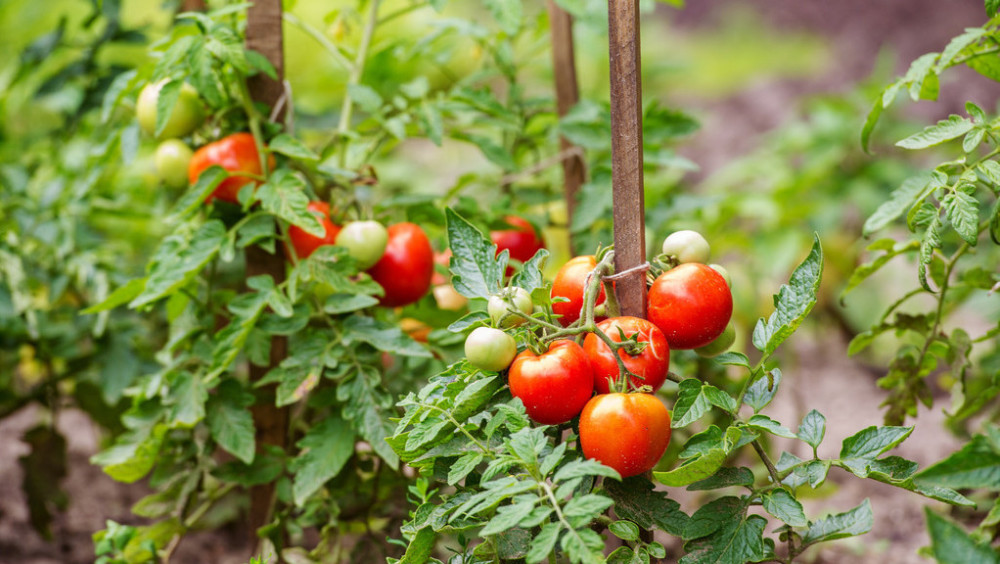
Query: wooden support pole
x,y
193,6
626,147
567,95
264,34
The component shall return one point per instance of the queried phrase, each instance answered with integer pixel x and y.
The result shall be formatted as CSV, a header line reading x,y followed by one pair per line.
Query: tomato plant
x,y
237,154
404,272
569,283
691,304
303,242
648,366
628,432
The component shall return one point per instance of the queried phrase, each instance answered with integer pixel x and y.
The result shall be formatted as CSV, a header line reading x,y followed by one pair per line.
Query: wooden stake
x,y
193,6
567,95
264,34
626,147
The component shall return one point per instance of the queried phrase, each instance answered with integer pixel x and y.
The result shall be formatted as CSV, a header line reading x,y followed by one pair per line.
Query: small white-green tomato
x,y
725,273
687,246
365,241
500,307
490,349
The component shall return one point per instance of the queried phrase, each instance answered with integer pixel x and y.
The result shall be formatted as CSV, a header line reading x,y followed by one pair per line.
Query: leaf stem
x,y
357,70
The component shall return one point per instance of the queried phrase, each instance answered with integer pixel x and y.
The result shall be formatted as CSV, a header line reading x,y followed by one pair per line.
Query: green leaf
x,y
367,405
165,100
584,546
976,466
464,466
766,424
230,422
991,170
762,391
725,478
508,13
694,470
179,259
476,270
474,396
346,303
792,304
637,500
326,447
991,7
854,522
124,294
733,358
284,196
962,210
812,429
421,548
957,44
782,505
507,517
864,271
589,505
290,146
873,441
950,544
736,540
382,335
871,120
530,276
543,543
133,455
899,201
691,403
625,530
295,382
187,396
945,130
493,152
365,97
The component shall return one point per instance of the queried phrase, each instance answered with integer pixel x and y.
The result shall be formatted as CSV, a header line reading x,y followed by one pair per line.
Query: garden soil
x,y
818,373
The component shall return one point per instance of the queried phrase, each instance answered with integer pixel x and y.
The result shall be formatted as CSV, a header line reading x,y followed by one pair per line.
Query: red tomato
x,y
304,243
691,304
522,241
405,270
570,283
651,364
628,432
235,153
555,385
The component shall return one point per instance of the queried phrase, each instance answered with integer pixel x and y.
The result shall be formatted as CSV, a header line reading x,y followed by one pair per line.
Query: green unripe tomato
x,y
490,349
725,273
687,246
499,306
720,345
365,241
186,115
171,159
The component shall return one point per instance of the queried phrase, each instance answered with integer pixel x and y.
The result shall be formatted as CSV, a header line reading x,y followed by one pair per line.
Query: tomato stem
x,y
357,70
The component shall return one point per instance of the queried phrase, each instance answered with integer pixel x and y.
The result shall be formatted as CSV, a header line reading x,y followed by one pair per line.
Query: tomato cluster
x,y
610,382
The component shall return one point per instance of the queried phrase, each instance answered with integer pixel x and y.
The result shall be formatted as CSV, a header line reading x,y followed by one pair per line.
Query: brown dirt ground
x,y
833,384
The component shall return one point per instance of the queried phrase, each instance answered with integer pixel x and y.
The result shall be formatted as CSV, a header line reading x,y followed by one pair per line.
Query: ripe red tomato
x,y
522,242
651,364
691,304
305,243
628,432
555,385
235,153
570,283
405,270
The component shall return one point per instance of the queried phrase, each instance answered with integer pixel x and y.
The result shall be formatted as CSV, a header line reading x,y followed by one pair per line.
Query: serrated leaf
x,y
230,422
812,429
508,14
765,423
950,544
762,391
899,201
957,44
694,470
530,276
290,146
963,213
625,530
326,447
792,304
872,441
476,270
854,522
382,335
581,468
637,500
543,543
421,548
284,196
782,505
975,465
736,541
166,98
725,478
464,466
365,97
507,517
179,259
121,296
187,397
367,406
945,130
589,505
691,403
